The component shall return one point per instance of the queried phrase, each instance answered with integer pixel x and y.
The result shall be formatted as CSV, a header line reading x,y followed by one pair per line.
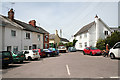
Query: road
x,y
67,65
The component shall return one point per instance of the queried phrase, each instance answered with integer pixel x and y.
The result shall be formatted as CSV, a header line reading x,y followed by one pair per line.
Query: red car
x,y
92,51
41,52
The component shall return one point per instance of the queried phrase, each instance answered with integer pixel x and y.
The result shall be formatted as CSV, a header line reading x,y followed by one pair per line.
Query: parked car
x,y
18,56
56,51
92,51
49,52
41,52
31,54
6,58
115,51
71,49
62,48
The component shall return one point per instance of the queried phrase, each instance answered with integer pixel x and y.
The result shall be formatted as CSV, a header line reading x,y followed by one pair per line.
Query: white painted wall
x,y
0,37
94,33
36,41
26,42
11,40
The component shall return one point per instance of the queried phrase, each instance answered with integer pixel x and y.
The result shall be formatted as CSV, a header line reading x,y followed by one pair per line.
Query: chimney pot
x,y
33,23
11,14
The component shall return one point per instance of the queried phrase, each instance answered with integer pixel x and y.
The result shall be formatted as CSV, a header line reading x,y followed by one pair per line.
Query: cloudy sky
x,y
68,16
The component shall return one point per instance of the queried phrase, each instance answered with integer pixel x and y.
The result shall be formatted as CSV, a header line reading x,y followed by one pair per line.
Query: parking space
x,y
67,65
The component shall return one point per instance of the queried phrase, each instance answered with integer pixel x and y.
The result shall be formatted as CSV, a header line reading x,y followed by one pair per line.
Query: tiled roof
x,y
52,36
85,28
25,26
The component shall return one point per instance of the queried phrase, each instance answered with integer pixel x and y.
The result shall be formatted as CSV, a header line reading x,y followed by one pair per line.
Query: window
x,y
15,48
85,44
80,36
85,35
80,45
8,48
27,35
38,37
25,48
106,32
30,47
46,46
13,33
46,38
38,46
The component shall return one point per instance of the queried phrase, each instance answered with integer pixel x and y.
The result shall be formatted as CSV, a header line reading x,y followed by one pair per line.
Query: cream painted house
x,y
89,34
54,39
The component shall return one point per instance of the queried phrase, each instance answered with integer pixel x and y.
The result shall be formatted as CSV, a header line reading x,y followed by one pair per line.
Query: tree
x,y
111,40
74,41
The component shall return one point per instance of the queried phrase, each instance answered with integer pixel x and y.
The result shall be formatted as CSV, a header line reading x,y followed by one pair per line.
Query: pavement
x,y
67,65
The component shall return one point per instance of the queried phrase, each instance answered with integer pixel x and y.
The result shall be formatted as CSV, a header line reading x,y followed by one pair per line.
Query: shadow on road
x,y
10,66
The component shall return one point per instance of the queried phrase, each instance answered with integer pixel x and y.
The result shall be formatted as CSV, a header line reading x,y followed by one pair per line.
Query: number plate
x,y
6,58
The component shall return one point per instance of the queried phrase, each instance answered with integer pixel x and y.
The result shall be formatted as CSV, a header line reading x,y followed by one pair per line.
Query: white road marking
x,y
68,70
115,77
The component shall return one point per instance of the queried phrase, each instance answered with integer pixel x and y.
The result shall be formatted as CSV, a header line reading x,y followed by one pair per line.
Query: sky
x,y
68,16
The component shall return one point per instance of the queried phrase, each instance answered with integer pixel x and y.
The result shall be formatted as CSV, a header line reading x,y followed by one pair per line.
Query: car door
x,y
87,50
116,50
26,54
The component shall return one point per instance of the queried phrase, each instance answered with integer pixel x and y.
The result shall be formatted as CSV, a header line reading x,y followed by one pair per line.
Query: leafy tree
x,y
74,41
111,40
118,26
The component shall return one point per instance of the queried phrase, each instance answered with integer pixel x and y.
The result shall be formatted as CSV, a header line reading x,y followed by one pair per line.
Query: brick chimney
x,y
33,23
11,14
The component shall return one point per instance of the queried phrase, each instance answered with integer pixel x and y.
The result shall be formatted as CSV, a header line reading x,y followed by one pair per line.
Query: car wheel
x,y
21,61
29,58
84,53
112,56
91,54
48,55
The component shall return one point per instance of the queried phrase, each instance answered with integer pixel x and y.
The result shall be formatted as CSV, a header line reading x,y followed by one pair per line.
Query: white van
x,y
31,54
115,51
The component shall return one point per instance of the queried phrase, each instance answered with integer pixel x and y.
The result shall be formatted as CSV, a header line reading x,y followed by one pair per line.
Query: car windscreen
x,y
35,51
93,48
6,53
18,52
61,47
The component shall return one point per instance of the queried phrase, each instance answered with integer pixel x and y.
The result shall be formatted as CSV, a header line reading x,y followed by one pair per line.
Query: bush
x,y
111,40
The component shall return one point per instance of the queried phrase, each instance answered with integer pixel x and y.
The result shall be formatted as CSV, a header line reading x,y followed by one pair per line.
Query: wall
x,y
57,39
92,36
0,37
35,40
26,42
12,40
46,42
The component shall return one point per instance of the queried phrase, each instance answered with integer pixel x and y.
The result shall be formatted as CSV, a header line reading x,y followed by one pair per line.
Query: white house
x,y
17,35
90,33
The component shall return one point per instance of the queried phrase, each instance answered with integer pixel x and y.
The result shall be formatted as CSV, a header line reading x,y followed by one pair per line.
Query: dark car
x,y
71,49
18,56
49,52
92,51
56,51
6,57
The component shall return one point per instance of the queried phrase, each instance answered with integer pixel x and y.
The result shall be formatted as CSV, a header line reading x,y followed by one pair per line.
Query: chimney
x,y
56,32
11,14
33,23
96,16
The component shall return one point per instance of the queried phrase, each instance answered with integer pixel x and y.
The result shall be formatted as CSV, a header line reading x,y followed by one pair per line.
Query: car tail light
x,y
17,56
